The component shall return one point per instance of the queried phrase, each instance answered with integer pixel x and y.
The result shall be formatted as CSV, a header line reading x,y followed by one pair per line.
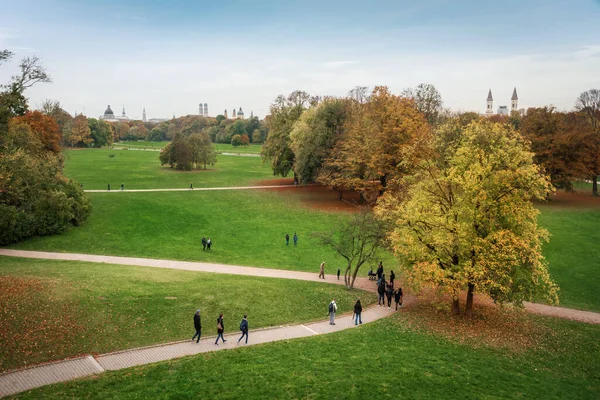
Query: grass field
x,y
142,170
56,309
140,144
220,147
385,359
246,228
573,253
228,148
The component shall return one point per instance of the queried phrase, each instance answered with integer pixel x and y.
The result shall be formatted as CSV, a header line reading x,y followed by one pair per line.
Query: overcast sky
x,y
172,55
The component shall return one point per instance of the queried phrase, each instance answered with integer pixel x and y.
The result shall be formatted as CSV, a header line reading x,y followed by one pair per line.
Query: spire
x,y
123,109
490,98
514,96
144,114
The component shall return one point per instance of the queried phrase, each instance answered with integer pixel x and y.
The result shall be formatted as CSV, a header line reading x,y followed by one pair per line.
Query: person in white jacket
x,y
332,310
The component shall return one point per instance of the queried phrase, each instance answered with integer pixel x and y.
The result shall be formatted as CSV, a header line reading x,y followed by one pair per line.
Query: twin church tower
x,y
502,110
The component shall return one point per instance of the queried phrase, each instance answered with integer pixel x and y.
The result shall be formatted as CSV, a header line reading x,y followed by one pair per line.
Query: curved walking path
x,y
25,379
117,190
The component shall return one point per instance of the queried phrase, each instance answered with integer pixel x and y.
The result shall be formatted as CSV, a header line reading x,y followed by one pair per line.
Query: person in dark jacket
x,y
203,243
220,329
287,239
381,293
357,312
392,277
389,292
208,244
398,297
379,270
244,328
197,326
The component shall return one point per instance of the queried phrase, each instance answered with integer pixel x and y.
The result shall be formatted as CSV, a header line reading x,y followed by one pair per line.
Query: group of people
x,y
386,289
356,317
108,188
287,239
220,328
206,243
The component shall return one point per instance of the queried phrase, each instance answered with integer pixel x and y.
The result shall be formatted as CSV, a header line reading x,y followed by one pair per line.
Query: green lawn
x,y
228,148
573,253
247,227
140,144
384,359
56,309
142,170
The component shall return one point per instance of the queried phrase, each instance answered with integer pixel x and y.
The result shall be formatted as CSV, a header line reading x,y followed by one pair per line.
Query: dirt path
x,y
361,283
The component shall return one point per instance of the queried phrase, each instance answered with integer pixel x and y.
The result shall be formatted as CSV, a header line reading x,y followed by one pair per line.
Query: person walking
x,y
338,274
191,186
108,187
392,277
203,243
381,293
220,329
208,243
244,328
287,239
122,186
357,312
295,239
397,297
322,270
389,292
197,326
332,310
379,271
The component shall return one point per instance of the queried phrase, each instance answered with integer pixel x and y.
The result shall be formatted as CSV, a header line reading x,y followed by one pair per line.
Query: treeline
x,y
361,141
35,197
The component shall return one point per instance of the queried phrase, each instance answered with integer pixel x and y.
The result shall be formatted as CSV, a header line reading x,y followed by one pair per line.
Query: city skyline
x,y
169,56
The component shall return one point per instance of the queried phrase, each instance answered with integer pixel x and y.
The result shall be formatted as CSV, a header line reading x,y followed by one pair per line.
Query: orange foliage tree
x,y
44,127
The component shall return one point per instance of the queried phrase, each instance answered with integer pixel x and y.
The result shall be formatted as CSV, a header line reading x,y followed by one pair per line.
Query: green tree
x,y
236,140
588,103
467,220
202,150
427,99
77,133
101,132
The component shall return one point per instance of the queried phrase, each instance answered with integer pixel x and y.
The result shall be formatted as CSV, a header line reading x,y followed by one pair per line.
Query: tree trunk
x,y
595,185
341,194
347,280
469,306
354,275
455,307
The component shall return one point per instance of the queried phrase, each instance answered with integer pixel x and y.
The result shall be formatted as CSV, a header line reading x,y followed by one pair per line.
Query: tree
x,y
138,132
428,100
43,126
236,140
53,109
468,221
383,139
121,131
101,132
588,103
285,111
77,132
558,141
245,140
357,240
202,149
315,134
157,135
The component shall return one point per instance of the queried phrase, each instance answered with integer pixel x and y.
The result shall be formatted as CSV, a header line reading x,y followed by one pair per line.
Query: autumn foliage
x,y
44,127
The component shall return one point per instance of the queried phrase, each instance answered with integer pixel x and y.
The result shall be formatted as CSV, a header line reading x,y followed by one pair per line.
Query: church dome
x,y
109,111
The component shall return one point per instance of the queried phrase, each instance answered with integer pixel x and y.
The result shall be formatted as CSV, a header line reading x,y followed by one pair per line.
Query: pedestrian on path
x,y
332,310
287,239
398,297
204,242
389,292
191,186
357,312
220,329
381,293
208,243
322,270
197,326
392,277
379,270
295,239
244,328
122,186
339,274
108,187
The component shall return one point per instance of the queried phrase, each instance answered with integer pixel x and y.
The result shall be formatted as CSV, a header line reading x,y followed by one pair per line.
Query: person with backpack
x,y
357,312
332,310
244,328
220,329
398,297
389,292
381,293
197,326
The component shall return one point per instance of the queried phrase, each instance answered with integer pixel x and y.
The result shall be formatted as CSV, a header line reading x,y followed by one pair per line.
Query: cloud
x,y
338,64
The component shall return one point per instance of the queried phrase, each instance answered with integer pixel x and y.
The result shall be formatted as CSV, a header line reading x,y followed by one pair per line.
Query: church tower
x,y
514,100
205,109
200,110
144,114
225,113
124,111
234,117
490,103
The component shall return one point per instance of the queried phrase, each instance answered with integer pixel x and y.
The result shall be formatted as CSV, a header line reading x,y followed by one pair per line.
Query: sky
x,y
168,56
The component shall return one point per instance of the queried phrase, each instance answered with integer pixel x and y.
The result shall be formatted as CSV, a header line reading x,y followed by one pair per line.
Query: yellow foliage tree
x,y
468,221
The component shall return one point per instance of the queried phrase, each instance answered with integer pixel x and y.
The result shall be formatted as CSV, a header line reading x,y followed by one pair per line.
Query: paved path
x,y
117,190
30,378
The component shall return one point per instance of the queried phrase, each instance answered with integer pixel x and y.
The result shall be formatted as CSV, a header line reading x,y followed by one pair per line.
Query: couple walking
x,y
220,327
206,243
357,317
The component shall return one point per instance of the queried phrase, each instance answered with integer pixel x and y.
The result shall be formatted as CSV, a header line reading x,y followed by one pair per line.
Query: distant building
x,y
110,116
503,110
203,110
239,114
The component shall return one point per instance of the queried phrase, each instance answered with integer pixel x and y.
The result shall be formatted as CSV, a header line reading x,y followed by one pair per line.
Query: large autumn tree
x,y
44,126
468,221
384,137
588,103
